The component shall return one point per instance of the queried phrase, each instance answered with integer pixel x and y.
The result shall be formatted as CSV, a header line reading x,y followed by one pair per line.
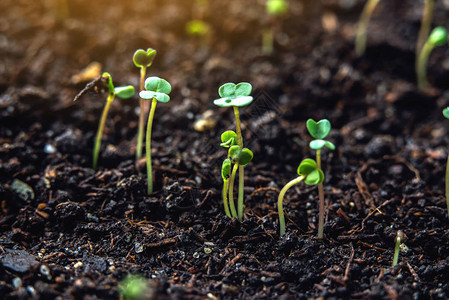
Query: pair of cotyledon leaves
x,y
236,154
144,59
156,88
123,92
308,169
276,7
319,130
234,95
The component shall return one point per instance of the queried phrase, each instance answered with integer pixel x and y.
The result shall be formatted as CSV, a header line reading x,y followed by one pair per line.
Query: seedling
x,y
319,131
446,115
156,89
228,139
360,39
275,9
309,172
123,92
425,25
142,59
398,241
235,96
438,37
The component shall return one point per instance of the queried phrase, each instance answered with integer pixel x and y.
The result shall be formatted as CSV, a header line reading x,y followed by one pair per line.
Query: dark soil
x,y
68,232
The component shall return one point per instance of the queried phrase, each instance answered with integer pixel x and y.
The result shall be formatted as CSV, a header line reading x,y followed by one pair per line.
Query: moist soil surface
x,y
69,232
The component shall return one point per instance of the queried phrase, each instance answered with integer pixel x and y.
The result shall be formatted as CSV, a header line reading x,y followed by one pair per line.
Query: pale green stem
x,y
240,199
396,251
425,25
421,66
225,197
321,197
267,41
231,191
360,40
142,104
148,147
280,205
447,185
100,130
237,127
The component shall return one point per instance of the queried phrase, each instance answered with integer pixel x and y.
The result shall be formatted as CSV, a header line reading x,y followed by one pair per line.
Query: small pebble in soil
x,y
207,250
23,190
44,270
196,255
49,149
138,247
17,282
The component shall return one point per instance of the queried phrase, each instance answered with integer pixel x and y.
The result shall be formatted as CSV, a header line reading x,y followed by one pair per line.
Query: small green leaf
x,y
306,167
148,95
438,36
245,157
227,90
314,177
108,82
318,130
156,84
446,112
228,139
124,92
234,153
317,144
276,7
142,58
330,145
243,89
226,169
239,102
197,27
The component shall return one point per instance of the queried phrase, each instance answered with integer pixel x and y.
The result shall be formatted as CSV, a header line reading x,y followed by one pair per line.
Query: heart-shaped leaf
x,y
142,58
228,139
226,169
234,95
320,129
306,167
243,89
240,156
148,95
227,90
234,153
124,92
156,84
309,170
314,177
446,112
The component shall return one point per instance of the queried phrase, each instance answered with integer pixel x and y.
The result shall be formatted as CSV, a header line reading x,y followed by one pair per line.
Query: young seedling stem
x,y
275,9
446,115
438,37
142,59
425,25
307,171
398,240
156,89
231,192
360,40
321,198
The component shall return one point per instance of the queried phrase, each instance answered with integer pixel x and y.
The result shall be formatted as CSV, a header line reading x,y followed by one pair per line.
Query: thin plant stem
x,y
100,130
421,66
231,191
321,197
280,205
360,40
225,198
267,41
447,185
240,199
148,147
142,104
425,25
398,241
237,127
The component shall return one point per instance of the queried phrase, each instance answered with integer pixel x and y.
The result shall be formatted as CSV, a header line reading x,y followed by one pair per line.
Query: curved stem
x,y
447,185
100,130
148,147
225,198
280,205
421,66
231,191
321,197
241,186
425,25
360,40
396,252
142,114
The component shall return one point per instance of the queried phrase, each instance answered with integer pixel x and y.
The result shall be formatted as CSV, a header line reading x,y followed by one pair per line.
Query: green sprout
x,y
156,89
360,39
319,130
426,21
235,96
275,9
123,92
133,287
438,37
309,172
142,59
228,139
398,241
446,115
